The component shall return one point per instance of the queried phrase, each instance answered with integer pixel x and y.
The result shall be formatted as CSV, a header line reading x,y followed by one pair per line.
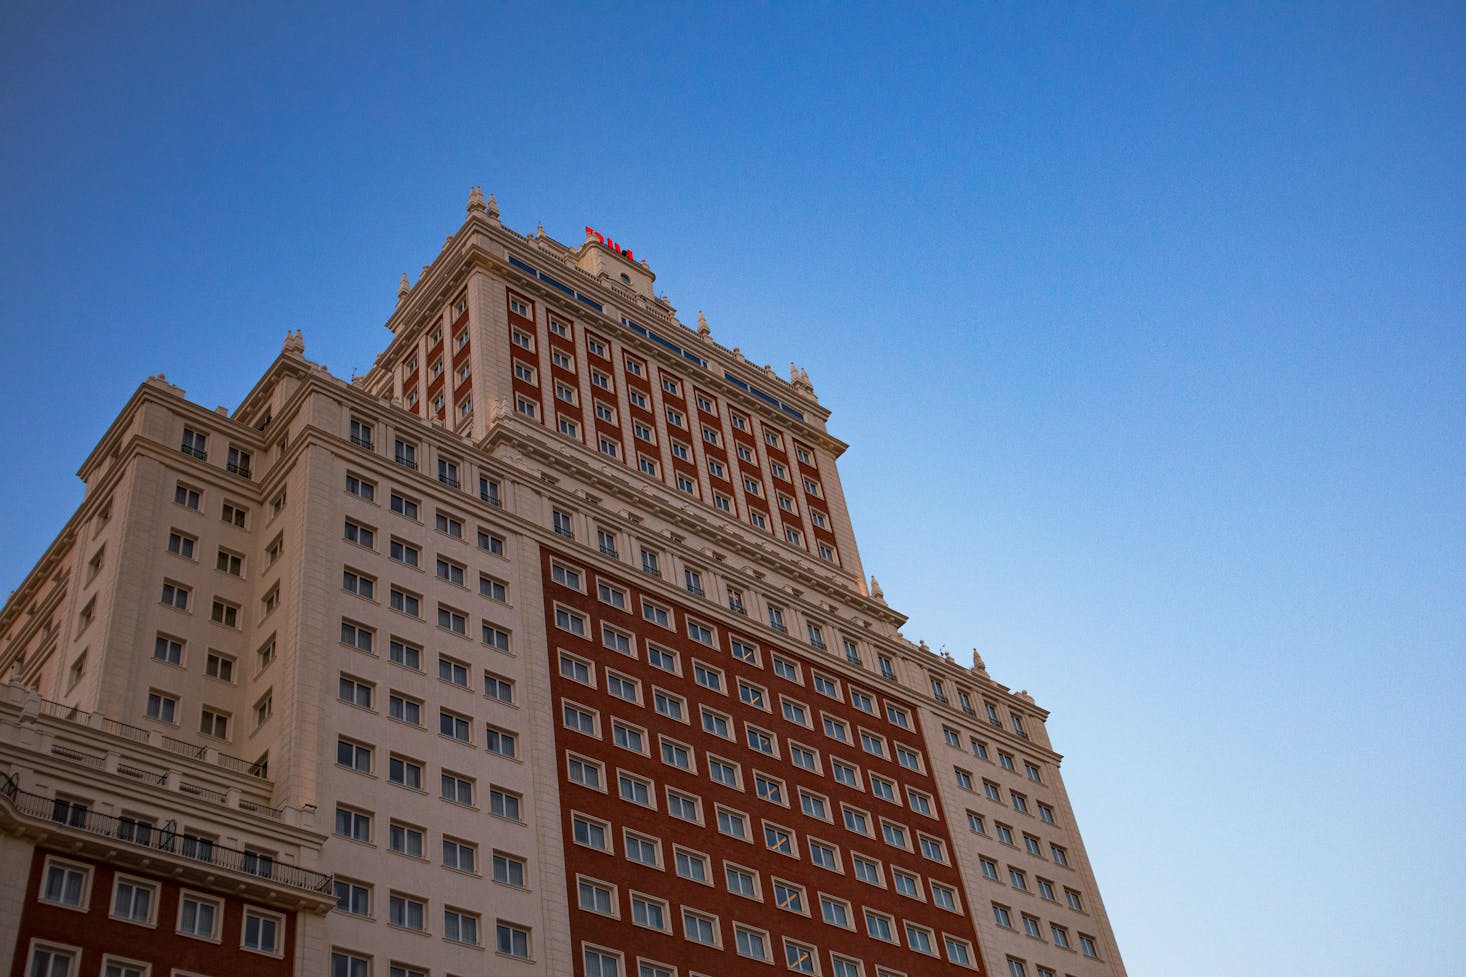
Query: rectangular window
x,y
199,916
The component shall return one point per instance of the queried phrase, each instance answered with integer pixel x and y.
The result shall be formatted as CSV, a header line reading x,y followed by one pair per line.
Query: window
x,y
768,788
872,744
199,916
823,855
655,613
648,912
568,620
878,925
589,832
214,723
1017,879
699,928
779,840
175,595
452,725
404,772
845,774
403,602
760,740
676,755
66,884
460,855
642,850
617,641
628,737
181,544
502,742
707,676
804,757
669,705
699,632
989,869
683,806
404,839
169,650
407,655
585,772
352,897
786,669
799,957
1059,933
908,758
450,571
455,621
348,964
457,789
404,553
1074,901
1087,946
1045,889
732,823
894,834
595,896
133,900
836,729
575,669
492,588
162,707
755,695
406,911
633,789
715,723
944,896
186,496
262,931
491,542
724,772
690,865
498,687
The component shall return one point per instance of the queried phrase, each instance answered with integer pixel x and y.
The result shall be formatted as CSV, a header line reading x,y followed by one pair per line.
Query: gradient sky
x,y
1144,325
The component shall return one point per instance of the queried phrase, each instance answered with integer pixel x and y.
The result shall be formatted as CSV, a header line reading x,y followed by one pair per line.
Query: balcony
x,y
79,823
406,461
192,451
361,441
235,468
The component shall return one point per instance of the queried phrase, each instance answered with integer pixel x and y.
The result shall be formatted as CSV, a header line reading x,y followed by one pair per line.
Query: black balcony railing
x,y
198,453
238,469
165,839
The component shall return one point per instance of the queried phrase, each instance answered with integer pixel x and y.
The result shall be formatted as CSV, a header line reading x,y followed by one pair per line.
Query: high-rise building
x,y
543,648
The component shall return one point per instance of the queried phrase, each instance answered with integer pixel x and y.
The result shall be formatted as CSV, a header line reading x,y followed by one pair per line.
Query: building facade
x,y
542,648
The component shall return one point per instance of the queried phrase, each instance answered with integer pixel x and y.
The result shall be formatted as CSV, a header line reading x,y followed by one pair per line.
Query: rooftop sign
x,y
591,232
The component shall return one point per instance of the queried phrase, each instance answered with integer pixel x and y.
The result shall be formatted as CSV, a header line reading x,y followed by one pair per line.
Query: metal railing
x,y
166,839
193,751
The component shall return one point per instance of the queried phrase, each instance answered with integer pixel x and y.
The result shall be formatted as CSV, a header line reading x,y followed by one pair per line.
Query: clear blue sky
x,y
1144,324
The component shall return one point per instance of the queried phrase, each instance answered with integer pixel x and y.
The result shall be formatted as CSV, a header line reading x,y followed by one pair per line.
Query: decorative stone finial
x,y
424,272
799,379
476,200
876,591
1023,694
493,207
403,288
924,646
738,354
977,663
702,325
539,232
294,343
